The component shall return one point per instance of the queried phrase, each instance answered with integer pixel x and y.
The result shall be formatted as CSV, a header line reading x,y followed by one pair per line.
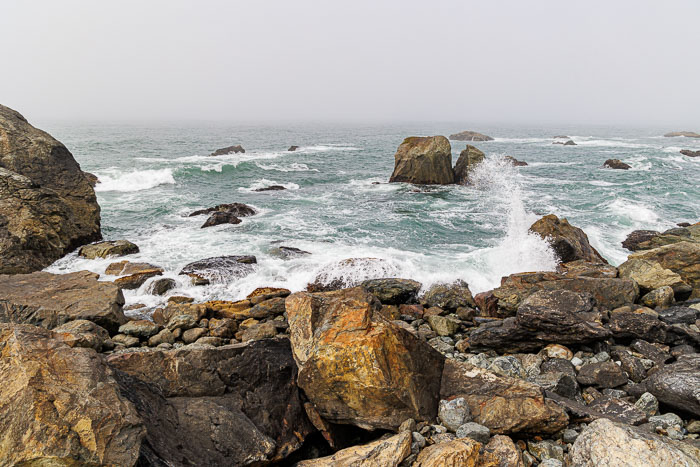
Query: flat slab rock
x,y
221,268
49,300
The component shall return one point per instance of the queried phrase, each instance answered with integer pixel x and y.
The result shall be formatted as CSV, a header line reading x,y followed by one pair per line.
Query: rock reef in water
x,y
470,136
228,150
616,164
689,153
469,158
687,134
47,204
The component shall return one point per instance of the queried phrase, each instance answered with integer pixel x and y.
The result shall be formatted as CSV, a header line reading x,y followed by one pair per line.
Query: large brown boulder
x,y
49,300
468,159
649,239
389,452
650,275
47,204
241,399
470,136
358,368
569,243
503,404
423,160
60,405
683,258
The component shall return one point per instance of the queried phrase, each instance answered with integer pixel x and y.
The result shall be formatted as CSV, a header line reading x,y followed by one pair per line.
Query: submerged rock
x,y
237,209
358,368
271,188
605,443
108,249
569,243
220,268
49,300
470,136
228,150
616,164
468,159
287,252
47,204
60,405
423,161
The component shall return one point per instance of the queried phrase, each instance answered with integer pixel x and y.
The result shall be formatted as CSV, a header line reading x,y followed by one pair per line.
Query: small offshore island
x,y
587,365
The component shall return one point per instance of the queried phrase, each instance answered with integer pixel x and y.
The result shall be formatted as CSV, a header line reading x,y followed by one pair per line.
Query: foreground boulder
x,y
219,269
231,405
503,404
678,384
60,405
468,159
683,258
569,243
616,164
358,368
424,161
108,249
228,150
389,452
49,300
605,443
47,204
393,291
462,451
470,136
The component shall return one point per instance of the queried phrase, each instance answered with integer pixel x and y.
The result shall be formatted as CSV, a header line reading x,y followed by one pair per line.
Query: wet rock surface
x,y
424,161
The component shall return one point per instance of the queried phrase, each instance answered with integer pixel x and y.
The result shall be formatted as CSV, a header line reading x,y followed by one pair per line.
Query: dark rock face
x,y
616,164
503,404
358,368
47,204
687,134
569,243
423,161
689,153
162,286
602,375
627,325
567,143
449,296
292,148
49,300
547,316
218,218
228,150
233,405
287,252
678,384
393,291
237,209
515,162
468,159
220,268
470,136
60,405
649,239
636,239
271,188
619,410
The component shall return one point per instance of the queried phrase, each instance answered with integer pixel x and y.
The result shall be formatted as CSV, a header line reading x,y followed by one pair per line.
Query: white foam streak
x,y
134,181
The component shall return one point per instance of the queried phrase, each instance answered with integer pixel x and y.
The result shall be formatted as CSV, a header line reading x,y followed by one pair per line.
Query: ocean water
x,y
337,204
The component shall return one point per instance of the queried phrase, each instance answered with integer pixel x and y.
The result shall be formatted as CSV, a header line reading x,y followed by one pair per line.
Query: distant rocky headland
x,y
589,364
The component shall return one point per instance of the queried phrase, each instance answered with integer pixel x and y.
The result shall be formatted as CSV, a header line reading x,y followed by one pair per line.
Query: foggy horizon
x,y
627,63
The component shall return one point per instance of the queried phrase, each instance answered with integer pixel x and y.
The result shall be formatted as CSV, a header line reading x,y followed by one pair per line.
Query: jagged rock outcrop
x,y
607,444
569,243
237,209
470,136
60,405
47,204
423,160
49,300
468,159
616,164
228,150
358,368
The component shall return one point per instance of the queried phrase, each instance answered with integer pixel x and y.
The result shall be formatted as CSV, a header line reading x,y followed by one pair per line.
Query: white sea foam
x,y
328,147
294,167
133,181
264,183
601,183
632,212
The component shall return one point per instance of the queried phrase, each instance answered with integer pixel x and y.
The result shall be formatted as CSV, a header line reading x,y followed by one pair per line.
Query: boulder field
x,y
47,204
586,365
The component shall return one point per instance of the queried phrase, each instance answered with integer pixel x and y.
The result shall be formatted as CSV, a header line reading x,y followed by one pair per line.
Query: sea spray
x,y
136,180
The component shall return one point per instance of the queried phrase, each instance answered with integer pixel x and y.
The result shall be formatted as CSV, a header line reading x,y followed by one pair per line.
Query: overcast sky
x,y
614,61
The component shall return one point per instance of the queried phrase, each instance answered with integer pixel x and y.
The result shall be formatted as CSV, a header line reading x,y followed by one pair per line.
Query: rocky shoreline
x,y
587,365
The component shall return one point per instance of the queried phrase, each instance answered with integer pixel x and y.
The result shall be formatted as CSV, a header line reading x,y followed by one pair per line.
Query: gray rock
x,y
543,450
454,413
474,431
666,420
678,384
648,404
508,366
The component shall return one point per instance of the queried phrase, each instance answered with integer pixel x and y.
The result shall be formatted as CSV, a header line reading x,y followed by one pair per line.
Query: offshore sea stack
x,y
47,204
423,160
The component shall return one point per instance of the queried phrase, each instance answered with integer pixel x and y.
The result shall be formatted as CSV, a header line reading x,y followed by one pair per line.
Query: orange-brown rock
x,y
459,452
135,274
503,404
569,243
389,452
60,405
226,309
358,368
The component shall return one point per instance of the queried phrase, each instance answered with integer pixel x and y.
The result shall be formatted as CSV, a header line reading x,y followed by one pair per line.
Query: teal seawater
x,y
338,205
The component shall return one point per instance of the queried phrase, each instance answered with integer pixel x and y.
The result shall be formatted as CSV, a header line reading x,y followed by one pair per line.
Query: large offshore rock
x,y
608,292
47,204
569,243
60,405
546,316
468,159
423,160
49,300
503,404
236,209
470,136
389,452
358,368
678,384
683,258
253,386
607,444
